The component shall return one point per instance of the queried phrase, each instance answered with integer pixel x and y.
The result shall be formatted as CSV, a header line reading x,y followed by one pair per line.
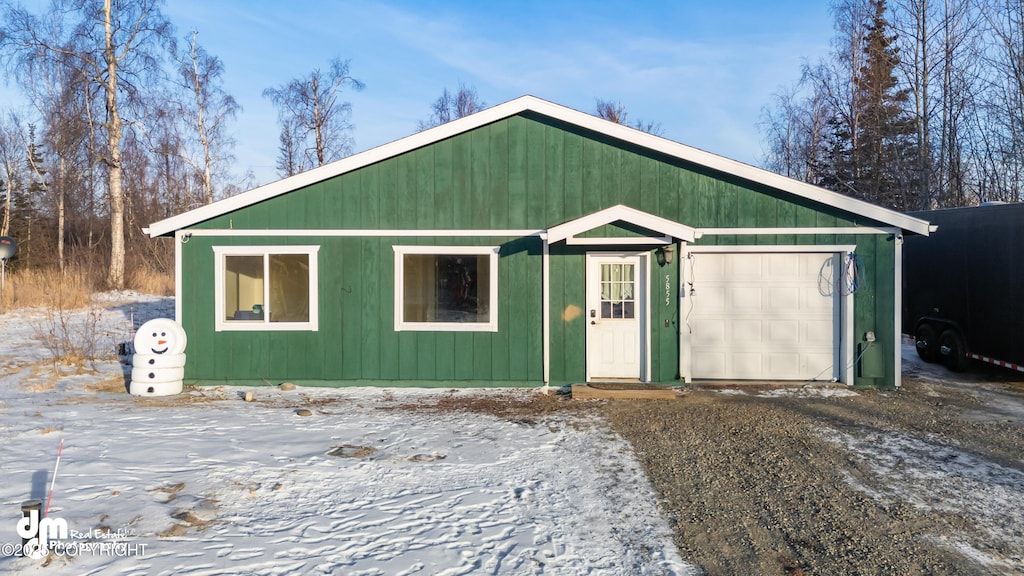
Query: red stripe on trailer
x,y
997,362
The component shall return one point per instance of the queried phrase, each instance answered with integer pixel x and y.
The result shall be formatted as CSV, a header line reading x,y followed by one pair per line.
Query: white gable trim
x,y
555,111
617,213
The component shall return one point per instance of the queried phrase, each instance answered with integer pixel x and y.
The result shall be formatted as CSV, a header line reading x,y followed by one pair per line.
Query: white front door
x,y
616,308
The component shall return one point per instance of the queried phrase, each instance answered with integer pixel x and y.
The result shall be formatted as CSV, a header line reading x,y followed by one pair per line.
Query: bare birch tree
x,y
615,111
113,47
12,159
209,111
312,110
450,106
1004,101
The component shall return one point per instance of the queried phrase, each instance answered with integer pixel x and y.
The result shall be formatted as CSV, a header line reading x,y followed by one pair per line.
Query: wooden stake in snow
x,y
54,481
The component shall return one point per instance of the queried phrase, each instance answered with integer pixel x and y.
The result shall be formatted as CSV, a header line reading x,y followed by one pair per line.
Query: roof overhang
x,y
574,117
668,230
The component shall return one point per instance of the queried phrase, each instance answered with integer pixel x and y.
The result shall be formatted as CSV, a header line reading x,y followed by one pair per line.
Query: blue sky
x,y
701,69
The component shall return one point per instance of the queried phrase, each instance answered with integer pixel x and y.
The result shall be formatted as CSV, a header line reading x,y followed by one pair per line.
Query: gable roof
x,y
558,112
621,213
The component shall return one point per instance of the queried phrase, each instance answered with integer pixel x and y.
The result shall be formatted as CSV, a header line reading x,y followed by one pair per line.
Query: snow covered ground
x,y
206,483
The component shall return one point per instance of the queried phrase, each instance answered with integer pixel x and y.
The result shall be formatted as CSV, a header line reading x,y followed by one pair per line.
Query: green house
x,y
530,244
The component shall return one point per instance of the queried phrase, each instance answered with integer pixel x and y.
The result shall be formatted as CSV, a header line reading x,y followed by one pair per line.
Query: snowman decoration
x,y
159,361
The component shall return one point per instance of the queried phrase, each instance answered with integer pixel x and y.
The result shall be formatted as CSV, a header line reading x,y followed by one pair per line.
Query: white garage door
x,y
761,317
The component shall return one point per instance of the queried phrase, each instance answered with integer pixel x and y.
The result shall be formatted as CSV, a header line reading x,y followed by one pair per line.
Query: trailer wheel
x,y
927,342
951,347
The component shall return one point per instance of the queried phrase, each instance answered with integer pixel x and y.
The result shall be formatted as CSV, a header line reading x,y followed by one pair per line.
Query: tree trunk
x,y
115,276
61,216
204,139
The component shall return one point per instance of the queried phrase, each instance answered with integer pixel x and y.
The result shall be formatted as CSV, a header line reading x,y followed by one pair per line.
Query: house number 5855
x,y
668,290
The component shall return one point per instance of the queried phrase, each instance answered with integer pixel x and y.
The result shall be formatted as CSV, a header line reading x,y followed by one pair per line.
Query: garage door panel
x,y
815,301
747,365
747,266
746,298
712,330
762,317
787,297
784,332
818,332
709,362
709,270
713,297
747,330
819,359
783,265
783,366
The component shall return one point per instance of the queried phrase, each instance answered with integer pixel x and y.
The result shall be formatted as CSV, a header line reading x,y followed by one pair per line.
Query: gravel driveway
x,y
757,480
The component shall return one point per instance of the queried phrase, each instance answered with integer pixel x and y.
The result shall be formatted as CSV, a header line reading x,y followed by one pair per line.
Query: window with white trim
x,y
442,288
266,287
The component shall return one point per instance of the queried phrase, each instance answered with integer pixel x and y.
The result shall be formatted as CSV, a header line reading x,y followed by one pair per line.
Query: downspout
x,y
546,312
680,283
898,320
180,237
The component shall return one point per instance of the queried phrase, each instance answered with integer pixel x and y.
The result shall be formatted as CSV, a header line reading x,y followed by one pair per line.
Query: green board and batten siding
x,y
524,172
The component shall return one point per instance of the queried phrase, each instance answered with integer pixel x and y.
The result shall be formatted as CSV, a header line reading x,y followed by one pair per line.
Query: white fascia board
x,y
555,111
621,213
360,233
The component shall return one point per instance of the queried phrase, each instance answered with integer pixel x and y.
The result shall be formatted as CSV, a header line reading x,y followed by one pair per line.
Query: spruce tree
x,y
876,162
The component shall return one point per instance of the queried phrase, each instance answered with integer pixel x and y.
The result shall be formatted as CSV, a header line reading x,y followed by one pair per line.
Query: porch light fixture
x,y
664,254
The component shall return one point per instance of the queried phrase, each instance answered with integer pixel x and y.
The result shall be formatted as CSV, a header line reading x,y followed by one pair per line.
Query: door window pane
x,y
617,291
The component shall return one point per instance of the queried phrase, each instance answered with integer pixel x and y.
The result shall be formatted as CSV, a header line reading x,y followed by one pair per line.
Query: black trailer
x,y
963,286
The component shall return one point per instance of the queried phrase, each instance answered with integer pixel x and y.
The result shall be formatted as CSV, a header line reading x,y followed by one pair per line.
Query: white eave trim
x,y
621,213
557,112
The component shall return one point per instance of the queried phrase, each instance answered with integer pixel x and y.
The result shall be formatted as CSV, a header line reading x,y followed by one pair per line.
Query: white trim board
x,y
852,230
187,232
512,233
621,213
557,112
771,249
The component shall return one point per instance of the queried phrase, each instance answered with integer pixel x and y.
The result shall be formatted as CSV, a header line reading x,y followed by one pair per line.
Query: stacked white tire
x,y
158,365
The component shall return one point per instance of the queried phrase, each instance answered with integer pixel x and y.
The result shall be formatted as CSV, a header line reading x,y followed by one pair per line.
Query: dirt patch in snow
x,y
521,406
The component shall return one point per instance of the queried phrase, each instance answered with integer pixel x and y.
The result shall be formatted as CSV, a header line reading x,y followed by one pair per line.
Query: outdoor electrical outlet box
x,y
871,364
869,336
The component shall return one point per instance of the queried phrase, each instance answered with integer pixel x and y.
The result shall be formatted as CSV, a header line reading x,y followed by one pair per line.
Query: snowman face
x,y
160,336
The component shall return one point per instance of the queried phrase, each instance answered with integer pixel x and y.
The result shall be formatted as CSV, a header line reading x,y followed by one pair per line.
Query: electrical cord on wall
x,y
690,291
853,275
848,368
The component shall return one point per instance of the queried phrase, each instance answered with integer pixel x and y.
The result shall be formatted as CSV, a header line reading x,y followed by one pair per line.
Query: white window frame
x,y
490,326
221,324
